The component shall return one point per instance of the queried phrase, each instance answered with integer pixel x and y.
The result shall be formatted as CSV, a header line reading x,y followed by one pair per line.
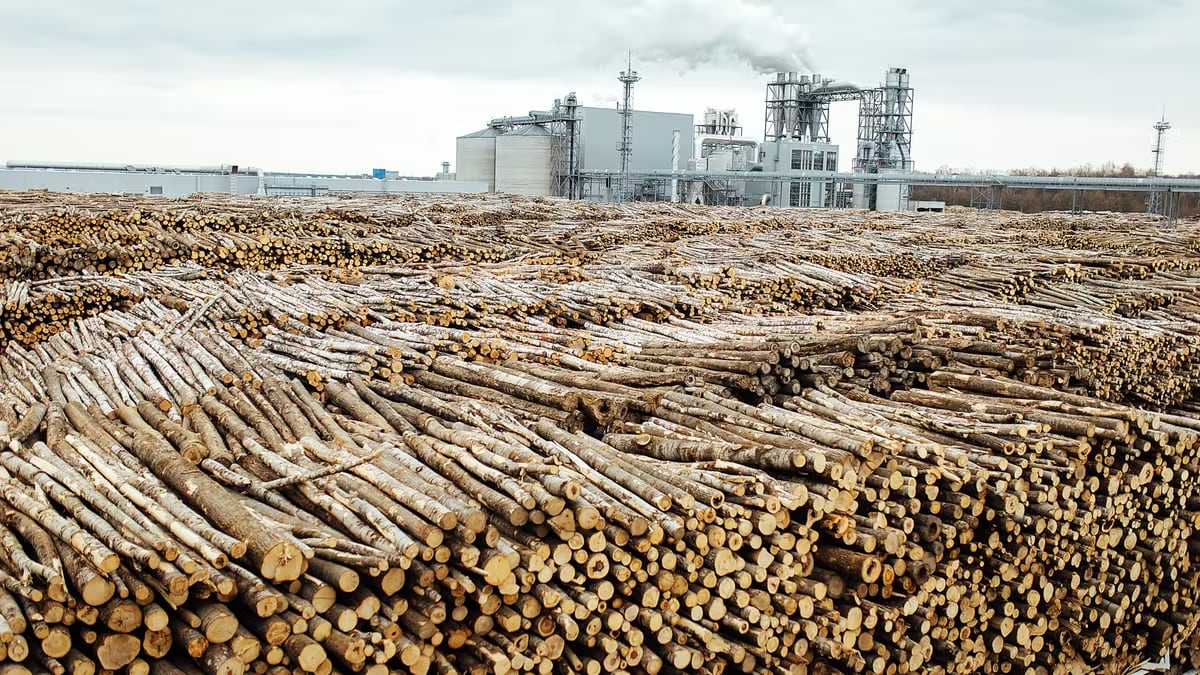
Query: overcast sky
x,y
308,85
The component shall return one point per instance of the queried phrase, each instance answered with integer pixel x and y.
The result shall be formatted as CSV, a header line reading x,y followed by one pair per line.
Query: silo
x,y
475,156
524,160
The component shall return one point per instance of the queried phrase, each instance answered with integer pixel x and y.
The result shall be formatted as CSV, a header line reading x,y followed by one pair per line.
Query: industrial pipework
x,y
215,169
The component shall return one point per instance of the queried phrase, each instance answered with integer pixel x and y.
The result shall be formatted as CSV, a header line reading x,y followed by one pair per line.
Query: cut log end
x,y
117,650
871,570
283,562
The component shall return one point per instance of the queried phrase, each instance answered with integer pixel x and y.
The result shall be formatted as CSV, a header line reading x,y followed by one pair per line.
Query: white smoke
x,y
691,33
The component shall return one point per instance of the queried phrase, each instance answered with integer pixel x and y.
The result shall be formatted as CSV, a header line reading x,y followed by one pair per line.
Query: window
x,y
795,196
831,161
818,162
805,194
801,160
156,189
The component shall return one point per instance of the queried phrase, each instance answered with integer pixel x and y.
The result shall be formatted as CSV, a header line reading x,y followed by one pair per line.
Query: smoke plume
x,y
692,33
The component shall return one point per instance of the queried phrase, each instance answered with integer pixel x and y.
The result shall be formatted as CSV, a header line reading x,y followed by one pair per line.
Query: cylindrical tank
x,y
524,159
475,156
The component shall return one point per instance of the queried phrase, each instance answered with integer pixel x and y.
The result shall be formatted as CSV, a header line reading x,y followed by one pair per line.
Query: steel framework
x,y
1101,183
990,186
562,121
627,78
885,125
797,107
885,129
1155,202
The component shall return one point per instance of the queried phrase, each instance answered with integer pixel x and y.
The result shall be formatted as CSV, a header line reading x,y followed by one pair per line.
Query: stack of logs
x,y
185,497
559,464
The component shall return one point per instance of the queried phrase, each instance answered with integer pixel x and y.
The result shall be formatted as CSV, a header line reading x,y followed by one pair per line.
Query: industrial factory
x,y
596,153
624,154
621,154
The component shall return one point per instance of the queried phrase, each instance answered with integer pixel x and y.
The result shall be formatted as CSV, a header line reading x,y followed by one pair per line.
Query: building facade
x,y
177,182
600,134
801,156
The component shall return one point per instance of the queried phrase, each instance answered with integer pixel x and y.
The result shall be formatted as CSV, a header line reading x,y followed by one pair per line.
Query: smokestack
x,y
675,165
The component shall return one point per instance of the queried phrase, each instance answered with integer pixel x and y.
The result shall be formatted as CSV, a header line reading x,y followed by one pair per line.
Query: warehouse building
x,y
600,136
184,181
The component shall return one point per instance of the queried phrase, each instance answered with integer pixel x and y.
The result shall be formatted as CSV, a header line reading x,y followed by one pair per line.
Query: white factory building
x,y
182,181
796,156
600,134
530,155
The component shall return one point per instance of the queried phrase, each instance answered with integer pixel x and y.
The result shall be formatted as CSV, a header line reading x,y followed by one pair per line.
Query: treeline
x,y
1032,201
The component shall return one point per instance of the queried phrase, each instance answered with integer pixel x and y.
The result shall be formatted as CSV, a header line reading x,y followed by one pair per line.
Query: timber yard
x,y
625,392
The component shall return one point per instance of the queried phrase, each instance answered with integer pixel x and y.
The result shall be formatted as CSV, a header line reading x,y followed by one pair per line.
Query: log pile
x,y
563,445
31,314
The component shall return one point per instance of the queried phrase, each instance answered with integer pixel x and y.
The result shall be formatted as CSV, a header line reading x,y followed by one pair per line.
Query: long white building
x,y
182,181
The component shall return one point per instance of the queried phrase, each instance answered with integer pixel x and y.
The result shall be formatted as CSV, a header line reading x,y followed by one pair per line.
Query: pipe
x,y
727,140
918,178
221,169
834,86
675,165
535,117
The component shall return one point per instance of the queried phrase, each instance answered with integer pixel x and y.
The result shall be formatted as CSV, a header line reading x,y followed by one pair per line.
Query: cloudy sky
x,y
308,85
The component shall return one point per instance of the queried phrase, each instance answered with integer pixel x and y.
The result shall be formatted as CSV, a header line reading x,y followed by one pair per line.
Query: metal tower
x,y
565,164
627,78
797,107
884,131
1161,127
562,121
1156,203
885,124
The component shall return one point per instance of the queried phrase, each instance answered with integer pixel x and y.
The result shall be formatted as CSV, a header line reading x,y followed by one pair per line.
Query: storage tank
x,y
524,159
475,156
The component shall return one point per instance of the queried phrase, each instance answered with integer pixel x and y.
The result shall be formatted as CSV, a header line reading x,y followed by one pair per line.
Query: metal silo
x,y
524,162
475,156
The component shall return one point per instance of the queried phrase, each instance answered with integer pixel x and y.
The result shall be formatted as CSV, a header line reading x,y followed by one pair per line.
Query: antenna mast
x,y
627,78
1156,203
